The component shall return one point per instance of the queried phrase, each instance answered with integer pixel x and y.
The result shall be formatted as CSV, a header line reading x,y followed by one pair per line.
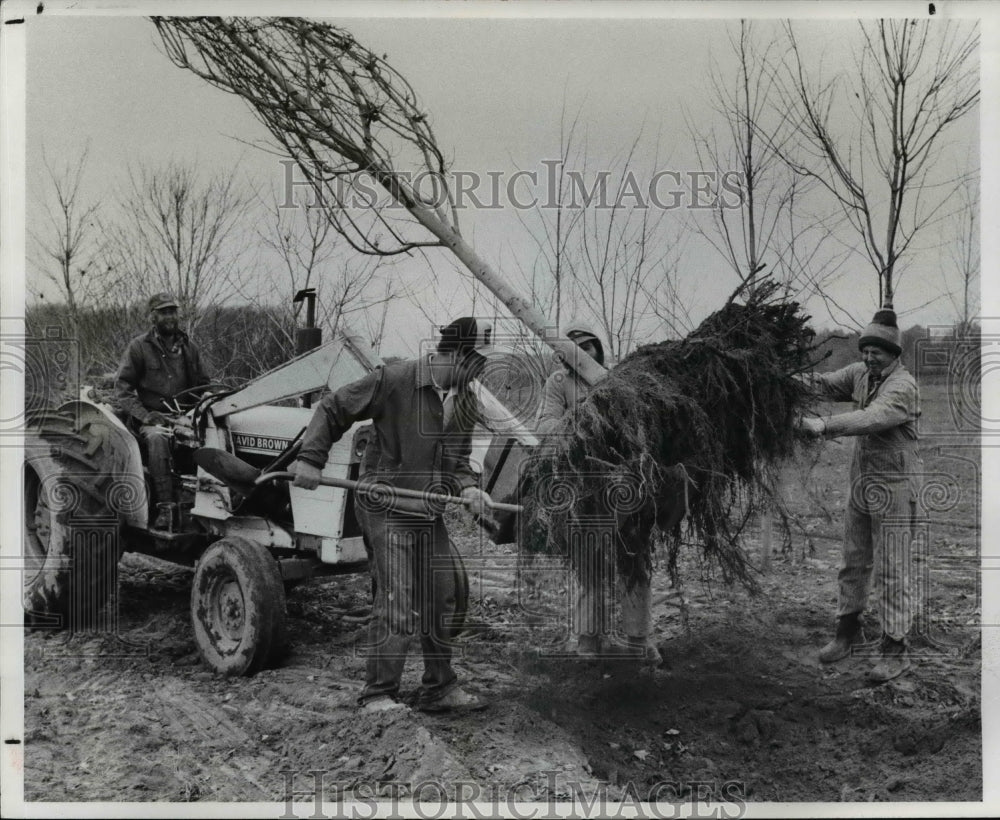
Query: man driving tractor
x,y
157,367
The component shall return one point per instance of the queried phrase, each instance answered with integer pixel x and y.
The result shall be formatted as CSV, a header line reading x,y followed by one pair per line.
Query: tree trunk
x,y
586,368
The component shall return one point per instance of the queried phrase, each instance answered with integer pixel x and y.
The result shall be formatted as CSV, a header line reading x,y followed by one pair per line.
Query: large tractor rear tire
x,y
72,533
238,607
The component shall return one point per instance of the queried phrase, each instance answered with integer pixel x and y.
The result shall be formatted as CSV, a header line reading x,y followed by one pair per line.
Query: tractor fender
x,y
117,452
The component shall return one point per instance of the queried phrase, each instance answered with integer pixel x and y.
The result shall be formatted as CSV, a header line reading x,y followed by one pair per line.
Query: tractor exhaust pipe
x,y
308,337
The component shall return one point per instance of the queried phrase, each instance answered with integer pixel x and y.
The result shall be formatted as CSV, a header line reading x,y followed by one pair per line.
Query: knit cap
x,y
883,331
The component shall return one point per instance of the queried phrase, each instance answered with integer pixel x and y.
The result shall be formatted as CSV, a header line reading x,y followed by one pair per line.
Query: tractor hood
x,y
259,429
344,359
266,430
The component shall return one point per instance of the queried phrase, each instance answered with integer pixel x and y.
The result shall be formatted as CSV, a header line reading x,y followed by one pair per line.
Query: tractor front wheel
x,y
238,607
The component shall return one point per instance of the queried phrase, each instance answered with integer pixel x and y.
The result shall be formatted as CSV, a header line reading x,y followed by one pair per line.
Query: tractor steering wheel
x,y
209,386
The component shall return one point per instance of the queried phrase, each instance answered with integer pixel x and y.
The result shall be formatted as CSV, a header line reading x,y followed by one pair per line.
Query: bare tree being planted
x,y
351,122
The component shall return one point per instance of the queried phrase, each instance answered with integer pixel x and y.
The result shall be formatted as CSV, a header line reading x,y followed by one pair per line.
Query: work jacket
x,y
561,391
884,420
413,447
149,373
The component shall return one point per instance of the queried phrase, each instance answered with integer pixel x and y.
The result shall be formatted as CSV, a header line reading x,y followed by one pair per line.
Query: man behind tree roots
x,y
157,366
423,412
885,482
562,390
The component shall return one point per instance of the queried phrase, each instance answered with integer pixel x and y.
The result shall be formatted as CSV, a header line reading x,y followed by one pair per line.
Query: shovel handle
x,y
348,484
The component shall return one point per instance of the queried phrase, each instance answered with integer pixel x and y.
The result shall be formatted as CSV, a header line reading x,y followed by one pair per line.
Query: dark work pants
x,y
157,441
415,595
882,514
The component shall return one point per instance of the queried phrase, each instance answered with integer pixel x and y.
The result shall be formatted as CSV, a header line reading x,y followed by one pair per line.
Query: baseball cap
x,y
465,334
162,301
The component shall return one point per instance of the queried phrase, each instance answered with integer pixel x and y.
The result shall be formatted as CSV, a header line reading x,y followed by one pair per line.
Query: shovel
x,y
245,478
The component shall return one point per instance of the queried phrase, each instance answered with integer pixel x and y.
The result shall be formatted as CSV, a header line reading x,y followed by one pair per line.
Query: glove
x,y
307,475
157,418
476,501
810,427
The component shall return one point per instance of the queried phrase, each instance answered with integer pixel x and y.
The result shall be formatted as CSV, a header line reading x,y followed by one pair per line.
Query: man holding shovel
x,y
423,412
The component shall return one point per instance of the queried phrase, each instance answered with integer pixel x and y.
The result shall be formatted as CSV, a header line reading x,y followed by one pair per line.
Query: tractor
x,y
247,532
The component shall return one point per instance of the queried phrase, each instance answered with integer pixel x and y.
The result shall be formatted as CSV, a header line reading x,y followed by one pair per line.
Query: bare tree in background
x,y
179,233
67,248
356,130
811,257
375,321
601,248
758,205
625,254
553,230
347,284
871,137
440,305
752,185
965,259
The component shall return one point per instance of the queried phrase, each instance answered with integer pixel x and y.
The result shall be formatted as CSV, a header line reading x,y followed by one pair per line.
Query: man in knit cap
x,y
885,481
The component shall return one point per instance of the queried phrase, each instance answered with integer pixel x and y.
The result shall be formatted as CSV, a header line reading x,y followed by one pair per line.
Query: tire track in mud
x,y
153,738
235,758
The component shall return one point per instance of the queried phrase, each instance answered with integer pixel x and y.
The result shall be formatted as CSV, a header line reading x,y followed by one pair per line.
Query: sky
x,y
496,91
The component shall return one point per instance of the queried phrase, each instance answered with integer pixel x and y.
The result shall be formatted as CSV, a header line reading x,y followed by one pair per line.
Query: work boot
x,y
164,517
588,646
456,700
848,634
645,650
895,661
384,703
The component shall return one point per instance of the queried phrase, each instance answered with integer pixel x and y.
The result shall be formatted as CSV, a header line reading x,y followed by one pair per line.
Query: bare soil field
x,y
741,710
